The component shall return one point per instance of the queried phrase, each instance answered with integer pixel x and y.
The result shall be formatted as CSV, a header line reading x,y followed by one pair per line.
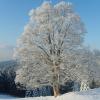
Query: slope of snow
x,y
93,94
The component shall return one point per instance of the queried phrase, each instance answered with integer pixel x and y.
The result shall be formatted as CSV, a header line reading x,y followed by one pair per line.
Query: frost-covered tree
x,y
88,67
83,73
95,73
7,75
48,42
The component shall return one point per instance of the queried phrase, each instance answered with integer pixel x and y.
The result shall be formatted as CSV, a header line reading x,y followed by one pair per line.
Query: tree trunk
x,y
56,90
56,81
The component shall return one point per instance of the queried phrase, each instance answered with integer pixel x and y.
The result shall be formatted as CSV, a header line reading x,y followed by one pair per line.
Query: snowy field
x,y
93,94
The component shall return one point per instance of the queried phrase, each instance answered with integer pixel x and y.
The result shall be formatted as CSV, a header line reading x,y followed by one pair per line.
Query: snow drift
x,y
92,94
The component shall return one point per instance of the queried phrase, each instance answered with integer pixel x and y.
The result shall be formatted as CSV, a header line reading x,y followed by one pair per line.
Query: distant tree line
x,y
7,77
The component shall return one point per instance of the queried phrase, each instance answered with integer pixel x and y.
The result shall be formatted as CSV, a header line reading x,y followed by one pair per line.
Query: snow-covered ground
x,y
5,97
93,94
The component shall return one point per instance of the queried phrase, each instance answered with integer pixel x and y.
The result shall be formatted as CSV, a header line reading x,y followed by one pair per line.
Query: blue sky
x,y
14,16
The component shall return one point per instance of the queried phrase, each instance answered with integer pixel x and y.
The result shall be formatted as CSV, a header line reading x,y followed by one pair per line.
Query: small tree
x,y
49,39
